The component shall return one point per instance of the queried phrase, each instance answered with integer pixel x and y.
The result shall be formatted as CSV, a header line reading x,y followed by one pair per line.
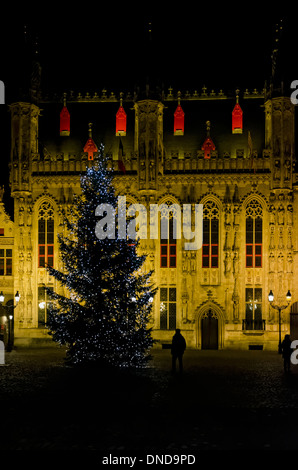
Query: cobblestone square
x,y
224,400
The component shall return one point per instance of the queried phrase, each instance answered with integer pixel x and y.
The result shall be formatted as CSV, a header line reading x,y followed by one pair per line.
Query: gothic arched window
x,y
168,245
210,235
254,234
45,235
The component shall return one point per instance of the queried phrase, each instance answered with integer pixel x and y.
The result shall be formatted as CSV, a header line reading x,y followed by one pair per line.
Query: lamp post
x,y
279,308
10,309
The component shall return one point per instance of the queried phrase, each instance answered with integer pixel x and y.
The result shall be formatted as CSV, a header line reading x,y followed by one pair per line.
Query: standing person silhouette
x,y
286,352
177,350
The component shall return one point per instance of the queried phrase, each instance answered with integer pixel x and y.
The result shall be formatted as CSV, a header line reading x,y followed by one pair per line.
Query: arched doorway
x,y
209,330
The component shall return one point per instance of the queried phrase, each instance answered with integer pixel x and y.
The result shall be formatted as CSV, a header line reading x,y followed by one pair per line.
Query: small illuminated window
x,y
6,262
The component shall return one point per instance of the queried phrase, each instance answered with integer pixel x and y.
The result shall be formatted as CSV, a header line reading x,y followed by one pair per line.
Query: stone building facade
x,y
235,154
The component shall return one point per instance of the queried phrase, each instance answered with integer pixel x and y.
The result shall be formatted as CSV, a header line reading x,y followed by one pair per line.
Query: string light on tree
x,y
105,317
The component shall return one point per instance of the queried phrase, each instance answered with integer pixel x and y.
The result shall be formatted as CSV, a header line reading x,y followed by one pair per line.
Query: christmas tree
x,y
104,317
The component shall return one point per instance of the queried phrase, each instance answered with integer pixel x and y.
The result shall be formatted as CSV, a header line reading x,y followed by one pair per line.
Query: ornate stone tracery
x,y
254,209
46,211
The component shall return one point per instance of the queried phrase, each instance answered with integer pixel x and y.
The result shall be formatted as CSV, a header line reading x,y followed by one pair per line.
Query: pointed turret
x,y
208,146
64,119
237,117
90,146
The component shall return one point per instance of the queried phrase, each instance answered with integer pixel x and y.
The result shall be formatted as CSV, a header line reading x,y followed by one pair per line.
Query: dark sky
x,y
90,47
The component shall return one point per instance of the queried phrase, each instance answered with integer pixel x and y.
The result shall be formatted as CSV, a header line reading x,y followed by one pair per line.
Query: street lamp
x,y
17,296
10,316
279,308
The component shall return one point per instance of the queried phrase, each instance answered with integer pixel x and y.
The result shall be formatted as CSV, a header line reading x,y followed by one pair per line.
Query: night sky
x,y
90,47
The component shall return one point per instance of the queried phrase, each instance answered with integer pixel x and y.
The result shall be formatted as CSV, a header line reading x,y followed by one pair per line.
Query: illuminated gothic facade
x,y
232,153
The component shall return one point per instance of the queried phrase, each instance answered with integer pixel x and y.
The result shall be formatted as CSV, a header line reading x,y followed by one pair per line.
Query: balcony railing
x,y
253,325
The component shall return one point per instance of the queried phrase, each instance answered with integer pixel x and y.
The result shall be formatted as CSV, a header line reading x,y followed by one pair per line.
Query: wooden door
x,y
209,328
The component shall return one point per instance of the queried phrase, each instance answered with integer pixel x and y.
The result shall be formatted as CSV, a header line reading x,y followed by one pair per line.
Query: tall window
x,y
210,235
167,308
253,309
168,249
6,262
168,246
254,234
45,235
44,305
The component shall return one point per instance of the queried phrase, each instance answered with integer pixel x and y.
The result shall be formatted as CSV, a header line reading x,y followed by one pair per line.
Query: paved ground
x,y
225,400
